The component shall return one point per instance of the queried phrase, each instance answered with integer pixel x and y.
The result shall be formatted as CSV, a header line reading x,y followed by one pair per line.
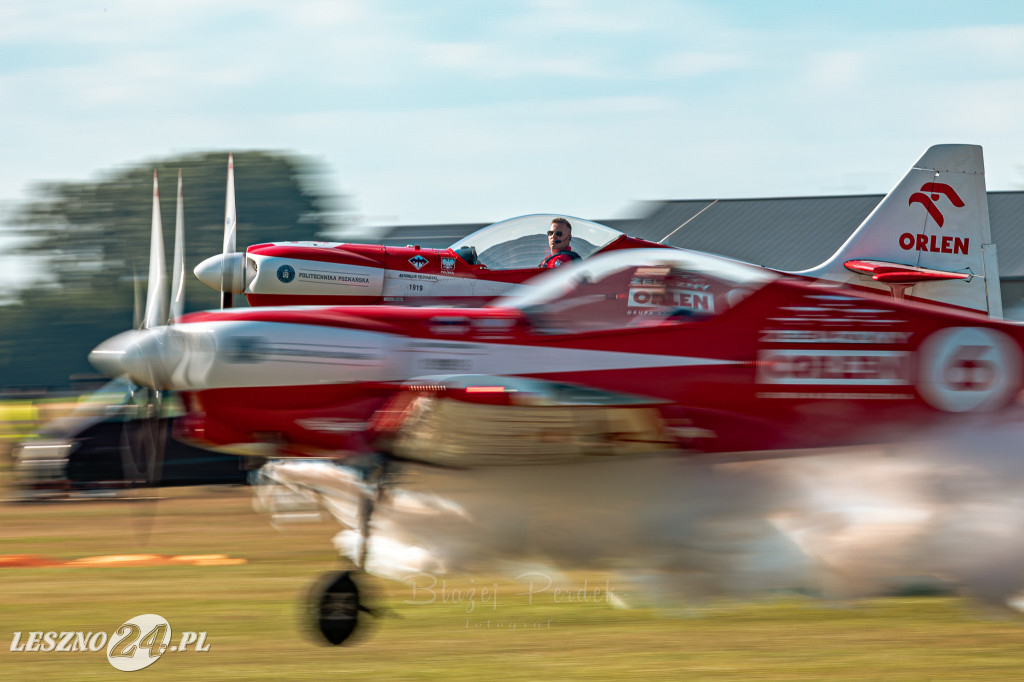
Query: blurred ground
x,y
252,613
434,627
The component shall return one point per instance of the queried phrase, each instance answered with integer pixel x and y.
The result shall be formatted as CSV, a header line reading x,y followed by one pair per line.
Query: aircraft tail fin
x,y
929,238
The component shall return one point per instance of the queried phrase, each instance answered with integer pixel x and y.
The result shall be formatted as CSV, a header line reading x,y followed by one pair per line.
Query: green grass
x,y
252,614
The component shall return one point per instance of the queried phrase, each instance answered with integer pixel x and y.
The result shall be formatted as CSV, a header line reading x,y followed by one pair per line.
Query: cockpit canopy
x,y
523,242
637,287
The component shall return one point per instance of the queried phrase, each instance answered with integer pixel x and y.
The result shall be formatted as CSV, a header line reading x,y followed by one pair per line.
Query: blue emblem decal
x,y
286,273
418,261
448,264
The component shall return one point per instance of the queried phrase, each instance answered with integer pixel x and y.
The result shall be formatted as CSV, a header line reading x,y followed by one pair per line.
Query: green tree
x,y
92,239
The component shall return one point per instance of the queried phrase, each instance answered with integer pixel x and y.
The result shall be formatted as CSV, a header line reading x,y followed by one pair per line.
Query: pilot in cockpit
x,y
559,240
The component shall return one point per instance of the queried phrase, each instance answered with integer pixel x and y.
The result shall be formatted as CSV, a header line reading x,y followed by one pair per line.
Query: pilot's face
x,y
559,236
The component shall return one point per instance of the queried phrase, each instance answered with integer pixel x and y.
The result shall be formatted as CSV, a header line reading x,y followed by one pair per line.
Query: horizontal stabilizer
x,y
896,273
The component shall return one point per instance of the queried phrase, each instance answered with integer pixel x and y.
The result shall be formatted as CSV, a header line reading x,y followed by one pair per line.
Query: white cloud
x,y
573,17
986,46
839,70
687,64
105,23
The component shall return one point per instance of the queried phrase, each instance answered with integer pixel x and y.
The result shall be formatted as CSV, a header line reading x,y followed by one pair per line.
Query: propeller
x,y
138,309
230,224
178,269
136,354
226,272
156,292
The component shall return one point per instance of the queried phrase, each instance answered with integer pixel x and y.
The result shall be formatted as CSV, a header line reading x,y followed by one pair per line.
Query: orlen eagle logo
x,y
929,194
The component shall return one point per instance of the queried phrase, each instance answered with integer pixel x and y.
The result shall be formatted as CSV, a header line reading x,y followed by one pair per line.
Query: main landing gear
x,y
335,606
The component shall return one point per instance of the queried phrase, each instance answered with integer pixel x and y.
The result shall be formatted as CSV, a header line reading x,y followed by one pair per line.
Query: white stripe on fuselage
x,y
243,353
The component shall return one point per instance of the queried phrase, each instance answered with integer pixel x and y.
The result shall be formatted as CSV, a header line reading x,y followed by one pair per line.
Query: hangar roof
x,y
792,233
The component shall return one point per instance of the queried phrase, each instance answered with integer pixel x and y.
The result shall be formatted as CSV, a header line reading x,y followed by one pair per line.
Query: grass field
x,y
252,614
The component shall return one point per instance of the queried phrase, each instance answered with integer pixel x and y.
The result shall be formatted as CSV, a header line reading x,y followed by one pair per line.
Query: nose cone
x,y
223,272
139,355
109,357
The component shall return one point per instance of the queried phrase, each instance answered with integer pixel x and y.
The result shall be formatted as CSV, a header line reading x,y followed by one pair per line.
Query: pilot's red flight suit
x,y
560,258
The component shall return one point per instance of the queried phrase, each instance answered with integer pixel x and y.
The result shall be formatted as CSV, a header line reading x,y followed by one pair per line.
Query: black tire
x,y
335,607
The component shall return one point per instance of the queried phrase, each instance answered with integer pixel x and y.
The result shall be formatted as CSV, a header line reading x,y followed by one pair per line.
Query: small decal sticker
x,y
286,273
448,264
418,261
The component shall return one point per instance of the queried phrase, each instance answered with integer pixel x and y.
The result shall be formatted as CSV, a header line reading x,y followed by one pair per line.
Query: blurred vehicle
x,y
85,451
732,358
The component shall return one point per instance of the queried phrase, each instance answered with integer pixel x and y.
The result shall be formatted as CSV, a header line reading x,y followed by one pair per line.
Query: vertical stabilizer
x,y
929,239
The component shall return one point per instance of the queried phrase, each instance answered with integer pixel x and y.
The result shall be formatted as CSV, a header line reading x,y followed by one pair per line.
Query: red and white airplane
x,y
492,262
624,353
925,231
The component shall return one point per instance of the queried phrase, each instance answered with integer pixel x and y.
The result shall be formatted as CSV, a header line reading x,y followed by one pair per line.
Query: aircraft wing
x,y
467,421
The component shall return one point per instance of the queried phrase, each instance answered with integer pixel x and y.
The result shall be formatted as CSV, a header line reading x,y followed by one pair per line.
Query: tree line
x,y
92,242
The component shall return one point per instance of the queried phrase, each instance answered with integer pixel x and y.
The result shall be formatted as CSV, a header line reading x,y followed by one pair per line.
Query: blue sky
x,y
468,111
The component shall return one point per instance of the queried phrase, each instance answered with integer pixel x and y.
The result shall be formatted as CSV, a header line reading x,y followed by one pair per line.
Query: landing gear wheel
x,y
335,607
334,603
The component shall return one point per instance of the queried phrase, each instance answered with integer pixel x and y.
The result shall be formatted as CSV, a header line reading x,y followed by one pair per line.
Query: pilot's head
x,y
559,234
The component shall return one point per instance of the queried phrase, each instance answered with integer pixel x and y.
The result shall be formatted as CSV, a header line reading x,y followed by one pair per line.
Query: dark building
x,y
792,233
